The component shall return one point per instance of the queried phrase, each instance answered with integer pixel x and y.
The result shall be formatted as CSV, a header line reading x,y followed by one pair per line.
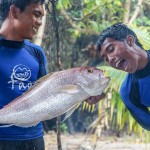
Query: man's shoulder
x,y
36,51
32,45
125,87
127,79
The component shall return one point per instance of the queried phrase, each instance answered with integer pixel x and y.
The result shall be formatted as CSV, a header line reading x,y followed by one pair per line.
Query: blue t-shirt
x,y
19,69
135,93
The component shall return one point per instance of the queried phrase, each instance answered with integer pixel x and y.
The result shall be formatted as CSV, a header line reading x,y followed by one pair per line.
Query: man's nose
x,y
110,59
39,21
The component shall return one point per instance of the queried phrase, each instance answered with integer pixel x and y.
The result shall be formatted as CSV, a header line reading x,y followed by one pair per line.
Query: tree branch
x,y
38,38
56,28
136,12
71,22
127,7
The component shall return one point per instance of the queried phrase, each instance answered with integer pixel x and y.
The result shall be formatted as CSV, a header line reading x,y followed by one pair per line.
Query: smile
x,y
120,64
35,29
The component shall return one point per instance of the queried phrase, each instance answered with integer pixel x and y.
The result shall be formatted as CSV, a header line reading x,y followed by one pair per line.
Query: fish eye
x,y
90,70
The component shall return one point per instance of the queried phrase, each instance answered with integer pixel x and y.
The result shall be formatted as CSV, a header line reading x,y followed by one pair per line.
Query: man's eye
x,y
37,15
111,48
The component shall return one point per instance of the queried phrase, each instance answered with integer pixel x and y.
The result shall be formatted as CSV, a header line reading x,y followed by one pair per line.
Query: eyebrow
x,y
107,46
106,49
38,11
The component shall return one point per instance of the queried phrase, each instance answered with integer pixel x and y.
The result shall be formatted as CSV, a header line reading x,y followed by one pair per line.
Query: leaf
x,y
117,76
88,107
143,36
93,25
98,2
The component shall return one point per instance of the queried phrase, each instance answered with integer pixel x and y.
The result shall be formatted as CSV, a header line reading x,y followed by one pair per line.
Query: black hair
x,y
118,31
21,4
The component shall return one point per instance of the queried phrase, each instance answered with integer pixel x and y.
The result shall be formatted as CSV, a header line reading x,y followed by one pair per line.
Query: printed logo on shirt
x,y
20,75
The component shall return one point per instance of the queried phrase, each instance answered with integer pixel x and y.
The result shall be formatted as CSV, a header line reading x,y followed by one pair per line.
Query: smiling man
x,y
121,49
21,64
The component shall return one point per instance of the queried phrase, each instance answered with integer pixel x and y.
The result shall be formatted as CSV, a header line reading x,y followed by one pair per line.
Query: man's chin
x,y
30,37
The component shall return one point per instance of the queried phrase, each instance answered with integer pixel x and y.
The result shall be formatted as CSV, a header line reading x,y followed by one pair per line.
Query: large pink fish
x,y
54,95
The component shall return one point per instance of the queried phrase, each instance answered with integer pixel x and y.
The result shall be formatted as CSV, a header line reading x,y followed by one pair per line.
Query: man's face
x,y
119,55
28,22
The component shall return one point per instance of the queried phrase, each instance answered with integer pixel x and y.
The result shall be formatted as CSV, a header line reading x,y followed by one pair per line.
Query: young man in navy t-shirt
x,y
19,67
121,49
21,64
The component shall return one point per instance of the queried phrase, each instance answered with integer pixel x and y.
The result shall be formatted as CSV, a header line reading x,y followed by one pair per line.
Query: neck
x,y
143,59
8,32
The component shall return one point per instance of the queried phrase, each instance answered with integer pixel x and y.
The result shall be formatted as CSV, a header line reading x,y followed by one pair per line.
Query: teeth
x,y
35,30
117,64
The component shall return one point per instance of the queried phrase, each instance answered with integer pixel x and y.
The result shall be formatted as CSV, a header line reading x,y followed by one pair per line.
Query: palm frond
x,y
143,36
117,76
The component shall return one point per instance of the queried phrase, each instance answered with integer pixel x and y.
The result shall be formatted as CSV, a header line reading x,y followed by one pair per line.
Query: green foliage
x,y
117,77
88,107
143,35
64,4
140,21
91,14
63,128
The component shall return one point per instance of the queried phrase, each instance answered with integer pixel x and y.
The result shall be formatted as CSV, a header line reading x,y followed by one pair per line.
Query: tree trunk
x,y
136,12
38,38
127,7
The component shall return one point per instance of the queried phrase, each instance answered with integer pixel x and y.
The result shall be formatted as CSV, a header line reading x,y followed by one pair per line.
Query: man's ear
x,y
13,11
130,40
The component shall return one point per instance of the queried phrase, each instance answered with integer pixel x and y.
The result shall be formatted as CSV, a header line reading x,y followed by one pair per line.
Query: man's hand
x,y
94,99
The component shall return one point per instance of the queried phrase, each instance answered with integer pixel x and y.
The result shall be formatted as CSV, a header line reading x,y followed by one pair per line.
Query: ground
x,y
81,142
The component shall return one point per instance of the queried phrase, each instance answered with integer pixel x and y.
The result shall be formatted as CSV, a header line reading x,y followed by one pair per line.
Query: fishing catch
x,y
54,95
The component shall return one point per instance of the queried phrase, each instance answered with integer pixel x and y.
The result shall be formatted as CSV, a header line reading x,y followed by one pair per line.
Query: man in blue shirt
x,y
21,64
120,48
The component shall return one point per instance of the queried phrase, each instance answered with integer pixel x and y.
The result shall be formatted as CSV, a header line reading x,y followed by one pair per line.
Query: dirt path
x,y
78,142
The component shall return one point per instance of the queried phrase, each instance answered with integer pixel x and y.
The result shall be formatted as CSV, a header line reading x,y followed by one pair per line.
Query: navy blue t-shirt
x,y
19,69
135,93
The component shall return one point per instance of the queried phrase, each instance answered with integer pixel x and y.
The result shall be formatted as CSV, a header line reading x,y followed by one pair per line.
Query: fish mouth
x,y
103,76
105,81
99,87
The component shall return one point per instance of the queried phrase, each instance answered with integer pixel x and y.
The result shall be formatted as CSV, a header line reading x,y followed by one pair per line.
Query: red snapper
x,y
54,95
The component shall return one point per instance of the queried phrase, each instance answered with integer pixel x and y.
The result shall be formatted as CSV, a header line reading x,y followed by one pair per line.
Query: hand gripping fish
x,y
54,95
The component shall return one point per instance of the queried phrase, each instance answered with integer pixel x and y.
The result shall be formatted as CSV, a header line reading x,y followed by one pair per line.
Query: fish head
x,y
92,80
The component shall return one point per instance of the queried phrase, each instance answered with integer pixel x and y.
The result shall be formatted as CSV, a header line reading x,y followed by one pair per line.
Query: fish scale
x,y
54,95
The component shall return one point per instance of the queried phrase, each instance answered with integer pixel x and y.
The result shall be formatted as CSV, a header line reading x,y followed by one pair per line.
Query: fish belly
x,y
50,107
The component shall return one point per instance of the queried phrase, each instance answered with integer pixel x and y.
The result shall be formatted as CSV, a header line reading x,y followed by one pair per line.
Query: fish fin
x,y
70,111
44,78
37,82
67,89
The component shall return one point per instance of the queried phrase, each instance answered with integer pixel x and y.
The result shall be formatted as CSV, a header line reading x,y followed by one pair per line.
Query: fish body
x,y
54,95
